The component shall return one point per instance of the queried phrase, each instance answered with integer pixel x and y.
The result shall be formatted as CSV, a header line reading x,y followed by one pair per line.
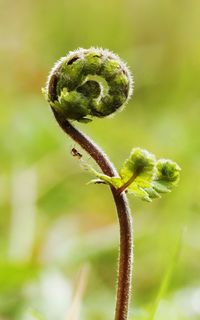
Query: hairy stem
x,y
124,217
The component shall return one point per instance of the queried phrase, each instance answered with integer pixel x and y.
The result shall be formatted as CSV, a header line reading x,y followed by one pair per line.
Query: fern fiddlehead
x,y
90,83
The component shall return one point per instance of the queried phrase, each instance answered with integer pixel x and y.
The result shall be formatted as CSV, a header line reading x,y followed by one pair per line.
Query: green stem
x,y
124,217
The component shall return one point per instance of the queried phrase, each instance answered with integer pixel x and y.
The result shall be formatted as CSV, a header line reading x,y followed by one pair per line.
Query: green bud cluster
x,y
88,82
143,176
167,170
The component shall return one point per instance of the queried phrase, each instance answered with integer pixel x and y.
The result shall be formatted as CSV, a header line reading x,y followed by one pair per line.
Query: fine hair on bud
x,y
88,83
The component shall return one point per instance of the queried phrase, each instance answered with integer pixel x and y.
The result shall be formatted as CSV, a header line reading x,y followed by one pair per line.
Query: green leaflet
x,y
161,186
143,176
152,193
137,172
139,192
113,181
140,163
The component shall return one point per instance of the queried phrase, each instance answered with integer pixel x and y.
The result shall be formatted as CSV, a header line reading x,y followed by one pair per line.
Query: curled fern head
x,y
88,83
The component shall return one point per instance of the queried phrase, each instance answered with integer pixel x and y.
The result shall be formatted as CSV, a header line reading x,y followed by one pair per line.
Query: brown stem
x,y
124,216
127,184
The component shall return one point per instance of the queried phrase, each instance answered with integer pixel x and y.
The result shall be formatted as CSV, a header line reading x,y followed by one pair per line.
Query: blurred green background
x,y
59,236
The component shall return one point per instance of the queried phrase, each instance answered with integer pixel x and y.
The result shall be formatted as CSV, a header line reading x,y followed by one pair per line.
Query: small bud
x,y
167,170
88,82
141,162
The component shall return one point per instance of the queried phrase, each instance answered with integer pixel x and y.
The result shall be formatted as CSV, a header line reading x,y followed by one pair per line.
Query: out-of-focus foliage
x,y
58,236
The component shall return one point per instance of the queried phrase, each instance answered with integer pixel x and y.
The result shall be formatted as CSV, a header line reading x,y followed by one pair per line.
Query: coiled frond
x,y
88,83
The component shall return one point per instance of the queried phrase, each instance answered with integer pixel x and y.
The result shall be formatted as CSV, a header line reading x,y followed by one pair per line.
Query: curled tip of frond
x,y
167,170
89,82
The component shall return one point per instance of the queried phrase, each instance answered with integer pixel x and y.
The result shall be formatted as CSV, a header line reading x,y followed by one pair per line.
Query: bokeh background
x,y
59,236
